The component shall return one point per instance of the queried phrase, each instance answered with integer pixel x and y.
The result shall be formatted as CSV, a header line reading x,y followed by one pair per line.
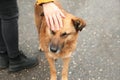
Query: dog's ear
x,y
79,24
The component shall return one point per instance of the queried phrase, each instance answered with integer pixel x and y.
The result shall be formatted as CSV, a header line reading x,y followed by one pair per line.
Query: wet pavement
x,y
97,56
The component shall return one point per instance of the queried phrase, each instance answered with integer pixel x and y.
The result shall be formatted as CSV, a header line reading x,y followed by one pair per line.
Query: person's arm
x,y
52,14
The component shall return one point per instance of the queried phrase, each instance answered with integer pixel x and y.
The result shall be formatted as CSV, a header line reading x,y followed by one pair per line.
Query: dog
x,y
58,44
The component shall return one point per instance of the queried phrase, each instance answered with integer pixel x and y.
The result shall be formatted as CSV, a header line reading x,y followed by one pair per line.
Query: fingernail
x,y
52,29
64,16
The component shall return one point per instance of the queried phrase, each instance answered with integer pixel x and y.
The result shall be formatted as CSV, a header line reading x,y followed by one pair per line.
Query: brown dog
x,y
58,44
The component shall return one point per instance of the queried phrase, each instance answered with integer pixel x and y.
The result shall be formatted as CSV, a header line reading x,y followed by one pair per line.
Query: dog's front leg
x,y
65,68
51,62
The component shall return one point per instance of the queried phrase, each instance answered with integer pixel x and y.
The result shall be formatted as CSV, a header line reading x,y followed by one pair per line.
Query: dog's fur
x,y
58,44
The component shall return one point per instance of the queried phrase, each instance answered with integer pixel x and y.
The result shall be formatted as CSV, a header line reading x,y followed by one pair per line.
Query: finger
x,y
47,21
51,23
59,20
56,22
62,15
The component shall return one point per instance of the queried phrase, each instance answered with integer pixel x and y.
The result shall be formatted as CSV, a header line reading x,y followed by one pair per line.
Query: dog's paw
x,y
64,79
40,49
53,79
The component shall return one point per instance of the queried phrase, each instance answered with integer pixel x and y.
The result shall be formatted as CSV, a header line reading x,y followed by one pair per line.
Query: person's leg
x,y
3,53
10,34
17,60
2,43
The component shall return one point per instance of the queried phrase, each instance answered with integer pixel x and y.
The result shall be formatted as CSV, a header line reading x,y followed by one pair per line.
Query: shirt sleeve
x,y
43,1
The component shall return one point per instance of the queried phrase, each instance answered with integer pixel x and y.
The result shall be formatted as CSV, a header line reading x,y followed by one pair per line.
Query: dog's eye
x,y
64,34
52,32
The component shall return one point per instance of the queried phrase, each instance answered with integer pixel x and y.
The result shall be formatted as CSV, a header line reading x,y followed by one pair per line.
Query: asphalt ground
x,y
97,56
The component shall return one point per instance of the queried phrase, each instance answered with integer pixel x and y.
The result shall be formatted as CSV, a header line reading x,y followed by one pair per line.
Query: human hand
x,y
53,16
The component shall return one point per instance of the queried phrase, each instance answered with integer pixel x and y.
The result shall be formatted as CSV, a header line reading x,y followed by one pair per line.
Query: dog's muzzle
x,y
54,48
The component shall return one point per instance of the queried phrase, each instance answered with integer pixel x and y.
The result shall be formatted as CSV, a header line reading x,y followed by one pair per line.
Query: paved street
x,y
97,56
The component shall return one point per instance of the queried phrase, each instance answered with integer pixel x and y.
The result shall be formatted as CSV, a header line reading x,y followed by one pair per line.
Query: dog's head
x,y
66,35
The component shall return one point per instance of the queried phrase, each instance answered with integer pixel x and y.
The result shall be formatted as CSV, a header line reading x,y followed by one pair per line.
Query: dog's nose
x,y
53,49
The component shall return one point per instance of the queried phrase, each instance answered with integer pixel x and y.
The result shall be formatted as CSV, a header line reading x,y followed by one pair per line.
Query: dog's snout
x,y
54,48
